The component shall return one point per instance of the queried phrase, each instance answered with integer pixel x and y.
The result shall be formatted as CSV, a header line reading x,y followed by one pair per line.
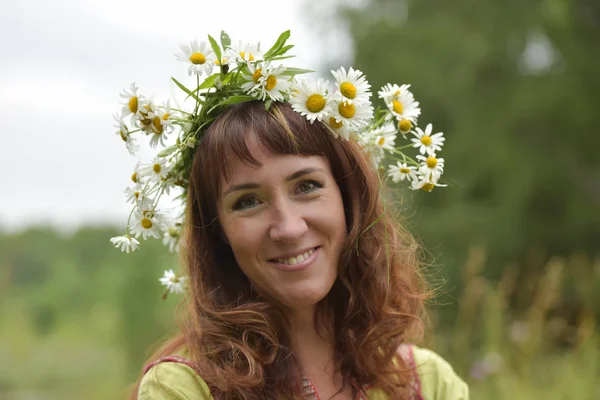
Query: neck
x,y
314,353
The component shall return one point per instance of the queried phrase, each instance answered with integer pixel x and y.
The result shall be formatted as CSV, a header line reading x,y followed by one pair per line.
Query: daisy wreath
x,y
245,73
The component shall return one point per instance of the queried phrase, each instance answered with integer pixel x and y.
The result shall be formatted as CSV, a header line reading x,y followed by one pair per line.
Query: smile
x,y
300,261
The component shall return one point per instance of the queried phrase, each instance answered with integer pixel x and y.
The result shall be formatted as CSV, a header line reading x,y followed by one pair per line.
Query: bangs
x,y
280,130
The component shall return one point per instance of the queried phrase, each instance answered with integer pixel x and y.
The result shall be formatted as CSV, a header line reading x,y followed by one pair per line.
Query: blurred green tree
x,y
514,86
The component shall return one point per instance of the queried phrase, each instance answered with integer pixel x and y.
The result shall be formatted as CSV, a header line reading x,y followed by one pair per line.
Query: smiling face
x,y
285,223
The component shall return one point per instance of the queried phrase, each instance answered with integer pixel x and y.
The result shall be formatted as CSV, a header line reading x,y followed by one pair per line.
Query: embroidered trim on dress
x,y
308,388
416,382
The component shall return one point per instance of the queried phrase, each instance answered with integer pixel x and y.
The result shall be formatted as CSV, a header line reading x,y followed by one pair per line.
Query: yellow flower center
x,y
165,116
348,90
405,170
157,125
197,58
133,104
397,107
256,75
250,56
426,140
271,82
431,162
428,187
346,110
146,223
156,168
404,125
397,93
315,103
381,141
134,177
334,124
173,232
136,194
123,135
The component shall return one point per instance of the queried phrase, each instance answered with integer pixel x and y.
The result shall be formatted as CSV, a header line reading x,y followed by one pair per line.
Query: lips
x,y
295,258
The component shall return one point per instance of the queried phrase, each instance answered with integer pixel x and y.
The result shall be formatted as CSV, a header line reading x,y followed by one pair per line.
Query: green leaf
x,y
296,71
215,47
268,104
278,44
225,40
188,91
208,82
167,151
281,58
285,49
236,99
232,100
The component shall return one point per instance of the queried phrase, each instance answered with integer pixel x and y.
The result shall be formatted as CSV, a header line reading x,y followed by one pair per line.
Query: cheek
x,y
244,238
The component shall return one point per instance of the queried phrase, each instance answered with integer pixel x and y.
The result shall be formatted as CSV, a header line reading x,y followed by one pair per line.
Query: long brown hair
x,y
235,337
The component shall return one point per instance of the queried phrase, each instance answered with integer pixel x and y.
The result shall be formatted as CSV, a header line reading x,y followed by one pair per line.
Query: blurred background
x,y
514,239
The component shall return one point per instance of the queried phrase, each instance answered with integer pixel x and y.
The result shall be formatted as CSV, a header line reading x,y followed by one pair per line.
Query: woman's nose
x,y
288,223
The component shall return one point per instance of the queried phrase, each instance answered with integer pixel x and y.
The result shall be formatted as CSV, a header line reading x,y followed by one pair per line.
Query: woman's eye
x,y
245,203
308,186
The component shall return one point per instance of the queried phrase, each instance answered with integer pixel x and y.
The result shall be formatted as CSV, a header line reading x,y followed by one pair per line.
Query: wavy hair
x,y
236,338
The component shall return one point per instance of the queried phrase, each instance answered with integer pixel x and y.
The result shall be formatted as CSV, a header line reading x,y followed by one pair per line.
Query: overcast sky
x,y
63,64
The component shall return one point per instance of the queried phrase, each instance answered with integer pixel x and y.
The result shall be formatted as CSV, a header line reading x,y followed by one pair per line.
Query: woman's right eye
x,y
245,202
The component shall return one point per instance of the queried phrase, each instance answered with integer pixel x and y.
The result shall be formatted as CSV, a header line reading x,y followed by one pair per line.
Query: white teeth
x,y
297,259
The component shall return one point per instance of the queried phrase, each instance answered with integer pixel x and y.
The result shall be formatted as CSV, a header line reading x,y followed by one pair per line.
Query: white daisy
x,y
136,194
404,107
146,223
404,126
267,81
123,132
337,128
200,57
244,52
431,166
162,125
148,110
391,92
136,177
174,283
131,101
157,171
252,80
125,243
426,183
384,136
310,99
352,86
354,115
402,171
375,154
426,142
171,237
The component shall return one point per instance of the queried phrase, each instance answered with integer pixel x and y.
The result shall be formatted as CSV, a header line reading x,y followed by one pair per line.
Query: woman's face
x,y
285,223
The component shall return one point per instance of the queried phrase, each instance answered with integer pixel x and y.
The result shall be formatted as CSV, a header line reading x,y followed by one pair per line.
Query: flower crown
x,y
245,73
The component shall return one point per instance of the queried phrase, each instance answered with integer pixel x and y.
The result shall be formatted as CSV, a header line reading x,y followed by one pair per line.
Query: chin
x,y
295,297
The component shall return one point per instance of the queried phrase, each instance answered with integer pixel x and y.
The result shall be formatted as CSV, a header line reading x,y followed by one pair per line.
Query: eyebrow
x,y
252,185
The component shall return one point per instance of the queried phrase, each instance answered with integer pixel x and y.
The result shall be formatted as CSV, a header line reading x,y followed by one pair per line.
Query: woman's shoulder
x,y
172,378
437,379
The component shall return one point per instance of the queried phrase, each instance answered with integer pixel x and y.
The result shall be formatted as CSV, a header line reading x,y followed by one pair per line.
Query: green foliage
x,y
86,330
512,85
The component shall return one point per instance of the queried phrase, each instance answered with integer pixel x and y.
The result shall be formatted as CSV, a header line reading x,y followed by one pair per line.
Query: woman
x,y
301,285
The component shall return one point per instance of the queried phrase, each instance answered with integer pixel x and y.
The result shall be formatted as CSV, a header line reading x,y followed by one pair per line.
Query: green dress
x,y
172,378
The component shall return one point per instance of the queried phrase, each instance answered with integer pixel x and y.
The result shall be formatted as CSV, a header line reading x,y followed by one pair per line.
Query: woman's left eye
x,y
308,186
